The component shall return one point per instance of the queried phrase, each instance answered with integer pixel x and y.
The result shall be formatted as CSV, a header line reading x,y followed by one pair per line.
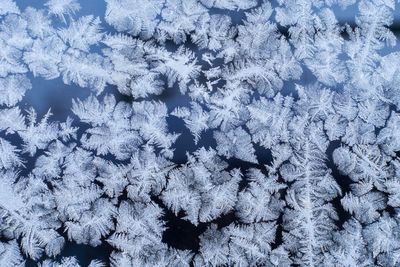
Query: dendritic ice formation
x,y
270,127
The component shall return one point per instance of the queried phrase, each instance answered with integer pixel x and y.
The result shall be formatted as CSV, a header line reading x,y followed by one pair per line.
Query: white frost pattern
x,y
292,118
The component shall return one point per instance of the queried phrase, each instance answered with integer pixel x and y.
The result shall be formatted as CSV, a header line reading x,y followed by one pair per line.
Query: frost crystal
x,y
199,133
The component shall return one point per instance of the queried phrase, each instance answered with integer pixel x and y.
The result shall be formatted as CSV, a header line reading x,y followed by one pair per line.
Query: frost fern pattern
x,y
269,128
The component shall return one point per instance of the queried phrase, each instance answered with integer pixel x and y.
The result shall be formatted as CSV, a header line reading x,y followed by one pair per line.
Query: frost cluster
x,y
290,126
